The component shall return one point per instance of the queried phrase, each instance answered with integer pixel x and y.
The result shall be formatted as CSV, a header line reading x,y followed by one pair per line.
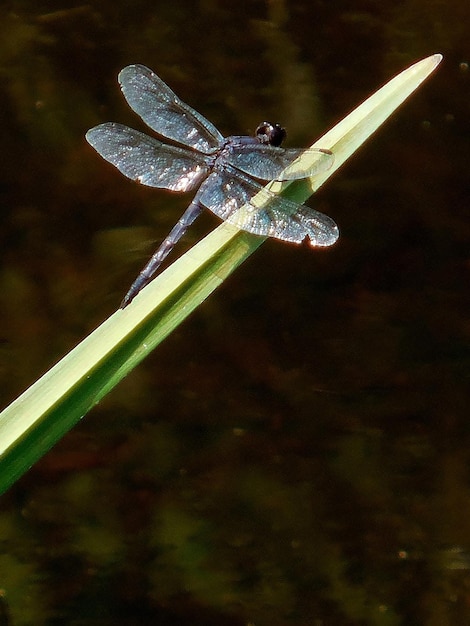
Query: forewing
x,y
268,163
146,160
164,112
224,193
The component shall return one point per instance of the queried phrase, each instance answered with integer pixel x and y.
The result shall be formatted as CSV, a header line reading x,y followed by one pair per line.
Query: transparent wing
x,y
164,112
225,192
146,160
267,162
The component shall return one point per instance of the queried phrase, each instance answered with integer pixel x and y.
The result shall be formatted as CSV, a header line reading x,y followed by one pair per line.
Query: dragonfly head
x,y
272,134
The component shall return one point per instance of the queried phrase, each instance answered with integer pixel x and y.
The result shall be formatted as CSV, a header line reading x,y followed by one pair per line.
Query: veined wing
x,y
164,112
224,193
268,162
146,160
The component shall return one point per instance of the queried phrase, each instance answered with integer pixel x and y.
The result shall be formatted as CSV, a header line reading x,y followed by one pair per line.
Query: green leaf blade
x,y
31,425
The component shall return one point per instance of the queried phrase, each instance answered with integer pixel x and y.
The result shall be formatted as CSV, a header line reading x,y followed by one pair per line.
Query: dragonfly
x,y
227,172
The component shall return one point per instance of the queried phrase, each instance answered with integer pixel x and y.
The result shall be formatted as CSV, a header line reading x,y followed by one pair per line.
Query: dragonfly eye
x,y
272,134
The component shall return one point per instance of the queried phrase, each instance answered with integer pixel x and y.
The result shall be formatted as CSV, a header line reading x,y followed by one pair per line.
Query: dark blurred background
x,y
298,452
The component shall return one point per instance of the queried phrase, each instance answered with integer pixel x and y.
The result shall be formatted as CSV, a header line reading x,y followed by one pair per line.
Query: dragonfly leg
x,y
167,245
